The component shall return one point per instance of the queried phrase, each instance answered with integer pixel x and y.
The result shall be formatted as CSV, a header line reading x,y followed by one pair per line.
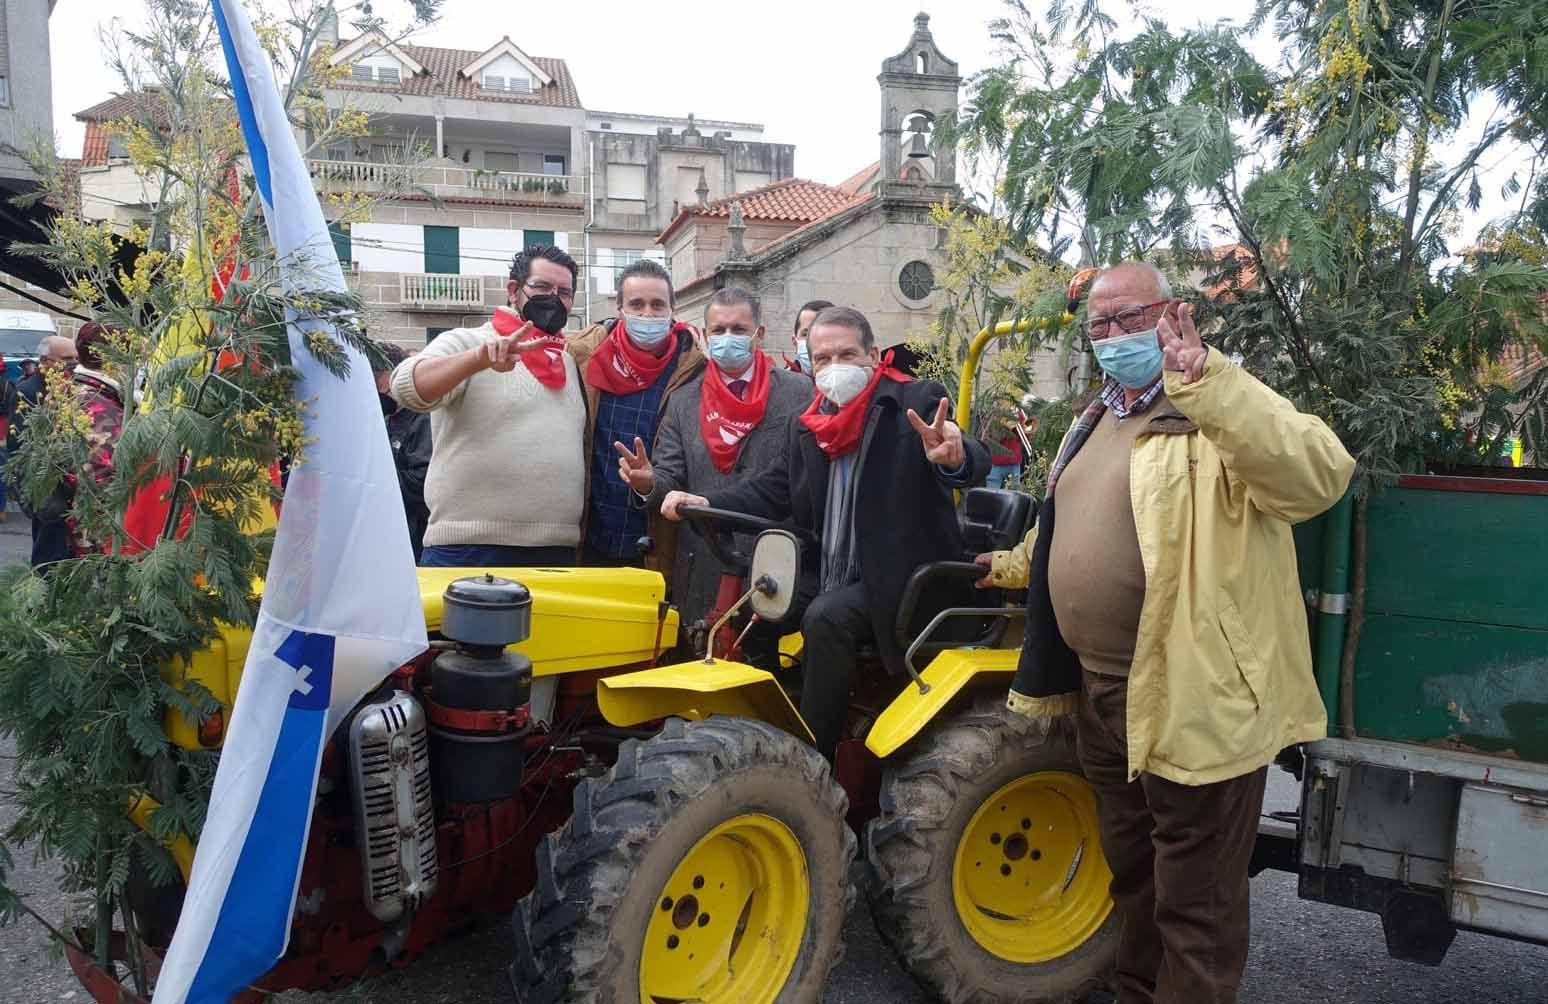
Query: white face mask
x,y
841,383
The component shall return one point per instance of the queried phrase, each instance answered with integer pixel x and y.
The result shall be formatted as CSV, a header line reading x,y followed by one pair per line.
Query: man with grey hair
x,y
872,480
1164,615
730,420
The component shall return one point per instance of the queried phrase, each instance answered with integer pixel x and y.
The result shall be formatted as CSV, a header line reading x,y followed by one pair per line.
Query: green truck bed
x,y
1454,646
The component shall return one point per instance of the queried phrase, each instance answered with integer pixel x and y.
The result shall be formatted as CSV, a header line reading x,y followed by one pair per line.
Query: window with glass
x,y
507,82
553,163
622,259
917,280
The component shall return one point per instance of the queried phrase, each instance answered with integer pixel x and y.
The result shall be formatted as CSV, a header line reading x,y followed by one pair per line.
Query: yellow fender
x,y
946,675
696,690
180,847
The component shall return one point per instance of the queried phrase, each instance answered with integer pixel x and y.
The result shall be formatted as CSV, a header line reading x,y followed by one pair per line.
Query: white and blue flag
x,y
340,608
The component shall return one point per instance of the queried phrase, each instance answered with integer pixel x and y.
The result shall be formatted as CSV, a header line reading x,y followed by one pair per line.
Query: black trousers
x,y
835,625
50,541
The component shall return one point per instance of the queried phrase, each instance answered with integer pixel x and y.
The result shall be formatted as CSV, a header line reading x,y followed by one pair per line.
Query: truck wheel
x,y
710,864
987,875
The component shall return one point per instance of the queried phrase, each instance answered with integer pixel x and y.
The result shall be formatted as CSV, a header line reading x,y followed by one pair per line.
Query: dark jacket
x,y
682,462
408,432
905,515
28,391
10,398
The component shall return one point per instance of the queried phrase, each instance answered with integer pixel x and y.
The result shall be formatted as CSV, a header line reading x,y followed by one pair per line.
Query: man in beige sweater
x,y
507,417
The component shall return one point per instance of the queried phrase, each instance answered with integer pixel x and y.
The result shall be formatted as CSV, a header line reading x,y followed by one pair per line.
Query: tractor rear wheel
x,y
987,875
710,864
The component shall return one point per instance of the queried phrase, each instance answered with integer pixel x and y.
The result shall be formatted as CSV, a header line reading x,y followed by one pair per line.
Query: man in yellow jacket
x,y
1165,614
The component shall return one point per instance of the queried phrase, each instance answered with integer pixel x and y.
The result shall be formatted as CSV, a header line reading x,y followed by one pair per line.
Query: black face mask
x,y
547,313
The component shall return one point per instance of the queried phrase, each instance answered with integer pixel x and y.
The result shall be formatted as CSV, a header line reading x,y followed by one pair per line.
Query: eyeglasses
x,y
1130,320
542,287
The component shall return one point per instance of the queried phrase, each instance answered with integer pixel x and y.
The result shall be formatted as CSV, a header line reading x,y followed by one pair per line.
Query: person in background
x,y
50,532
506,482
1005,454
731,420
54,351
872,480
633,363
803,327
102,402
1164,614
408,433
9,397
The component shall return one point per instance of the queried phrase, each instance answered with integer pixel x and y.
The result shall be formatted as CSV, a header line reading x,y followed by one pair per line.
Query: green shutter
x,y
531,237
442,253
341,242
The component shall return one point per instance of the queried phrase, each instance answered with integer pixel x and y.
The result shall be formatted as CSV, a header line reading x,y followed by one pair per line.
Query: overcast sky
x,y
805,69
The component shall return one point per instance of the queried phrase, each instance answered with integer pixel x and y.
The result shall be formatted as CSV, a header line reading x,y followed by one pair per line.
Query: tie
x,y
737,387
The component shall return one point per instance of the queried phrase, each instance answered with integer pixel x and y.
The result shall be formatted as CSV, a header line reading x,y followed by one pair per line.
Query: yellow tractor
x,y
666,833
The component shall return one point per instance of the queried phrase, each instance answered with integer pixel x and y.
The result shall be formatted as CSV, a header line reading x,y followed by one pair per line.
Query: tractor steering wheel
x,y
718,528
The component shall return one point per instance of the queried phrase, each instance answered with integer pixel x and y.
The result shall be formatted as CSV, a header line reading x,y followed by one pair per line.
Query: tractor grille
x,y
394,818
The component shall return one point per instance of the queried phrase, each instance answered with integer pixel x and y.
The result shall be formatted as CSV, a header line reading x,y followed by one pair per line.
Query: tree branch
x,y
1422,141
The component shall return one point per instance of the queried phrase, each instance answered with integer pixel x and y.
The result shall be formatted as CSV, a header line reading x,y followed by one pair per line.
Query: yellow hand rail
x,y
976,351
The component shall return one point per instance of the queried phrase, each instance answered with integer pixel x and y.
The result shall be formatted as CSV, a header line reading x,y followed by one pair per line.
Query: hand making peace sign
x,y
634,466
942,439
1182,349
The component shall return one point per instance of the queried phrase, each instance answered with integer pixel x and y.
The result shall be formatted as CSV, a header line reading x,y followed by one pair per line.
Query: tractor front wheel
x,y
987,874
710,864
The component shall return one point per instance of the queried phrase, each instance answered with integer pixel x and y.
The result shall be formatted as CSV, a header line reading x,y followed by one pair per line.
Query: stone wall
x,y
856,264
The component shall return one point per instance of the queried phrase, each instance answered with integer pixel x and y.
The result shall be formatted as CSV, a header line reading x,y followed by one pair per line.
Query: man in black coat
x,y
872,480
409,434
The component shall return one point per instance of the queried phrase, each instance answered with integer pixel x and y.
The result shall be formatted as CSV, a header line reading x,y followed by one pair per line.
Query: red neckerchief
x,y
839,433
792,365
618,366
724,418
545,360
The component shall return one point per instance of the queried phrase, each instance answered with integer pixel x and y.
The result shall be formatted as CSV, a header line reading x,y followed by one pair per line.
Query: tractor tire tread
x,y
562,929
909,836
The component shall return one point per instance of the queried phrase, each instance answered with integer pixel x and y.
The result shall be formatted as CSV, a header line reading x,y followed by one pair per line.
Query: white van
x,y
20,332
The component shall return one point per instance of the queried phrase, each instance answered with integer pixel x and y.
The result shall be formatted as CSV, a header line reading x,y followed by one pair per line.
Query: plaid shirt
x,y
614,525
1110,397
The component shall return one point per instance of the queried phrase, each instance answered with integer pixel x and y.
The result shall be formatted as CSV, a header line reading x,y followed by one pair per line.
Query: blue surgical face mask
x,y
804,357
731,352
647,332
1133,360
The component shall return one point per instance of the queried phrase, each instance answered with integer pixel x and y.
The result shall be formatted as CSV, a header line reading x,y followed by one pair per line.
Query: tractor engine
x,y
463,738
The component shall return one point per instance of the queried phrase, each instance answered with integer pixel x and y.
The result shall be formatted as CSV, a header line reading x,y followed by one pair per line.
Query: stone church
x,y
867,242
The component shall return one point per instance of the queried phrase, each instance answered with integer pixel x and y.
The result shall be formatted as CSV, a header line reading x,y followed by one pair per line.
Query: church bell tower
x,y
918,89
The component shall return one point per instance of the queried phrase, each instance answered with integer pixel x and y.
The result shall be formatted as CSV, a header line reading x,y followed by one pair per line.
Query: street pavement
x,y
1302,953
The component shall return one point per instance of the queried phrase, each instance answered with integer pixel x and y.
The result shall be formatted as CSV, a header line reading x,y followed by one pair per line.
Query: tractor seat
x,y
993,520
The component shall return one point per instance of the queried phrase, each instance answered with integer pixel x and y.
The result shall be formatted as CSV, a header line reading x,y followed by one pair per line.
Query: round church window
x,y
916,280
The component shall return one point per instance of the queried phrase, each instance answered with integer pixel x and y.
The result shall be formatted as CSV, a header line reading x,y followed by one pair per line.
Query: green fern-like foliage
x,y
1315,205
93,650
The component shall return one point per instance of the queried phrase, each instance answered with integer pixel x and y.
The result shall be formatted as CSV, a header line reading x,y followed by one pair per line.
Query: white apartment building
x,y
473,155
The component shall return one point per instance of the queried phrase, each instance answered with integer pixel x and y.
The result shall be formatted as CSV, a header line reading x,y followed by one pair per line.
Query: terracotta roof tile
x,y
793,200
785,238
94,148
852,184
134,105
444,66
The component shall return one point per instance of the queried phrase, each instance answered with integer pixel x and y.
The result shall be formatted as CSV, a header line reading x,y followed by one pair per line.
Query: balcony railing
x,y
437,291
443,179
